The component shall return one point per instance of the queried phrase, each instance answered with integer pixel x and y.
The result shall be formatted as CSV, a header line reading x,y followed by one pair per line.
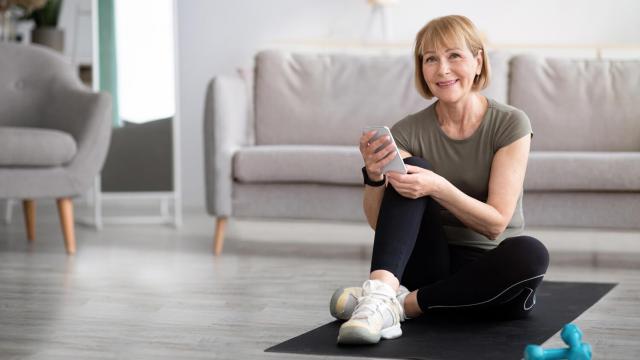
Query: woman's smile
x,y
447,84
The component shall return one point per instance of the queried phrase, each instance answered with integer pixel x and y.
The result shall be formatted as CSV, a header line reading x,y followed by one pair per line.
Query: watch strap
x,y
368,181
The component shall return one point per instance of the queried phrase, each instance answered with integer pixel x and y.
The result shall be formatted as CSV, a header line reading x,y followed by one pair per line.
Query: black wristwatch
x,y
368,181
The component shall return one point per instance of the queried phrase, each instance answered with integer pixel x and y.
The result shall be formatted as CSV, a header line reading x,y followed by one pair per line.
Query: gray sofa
x,y
282,142
54,132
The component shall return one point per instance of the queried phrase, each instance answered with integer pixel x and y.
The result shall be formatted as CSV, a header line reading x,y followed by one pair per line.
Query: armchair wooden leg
x,y
29,209
218,242
65,211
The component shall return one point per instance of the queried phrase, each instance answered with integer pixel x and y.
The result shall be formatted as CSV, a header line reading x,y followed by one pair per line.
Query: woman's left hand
x,y
418,182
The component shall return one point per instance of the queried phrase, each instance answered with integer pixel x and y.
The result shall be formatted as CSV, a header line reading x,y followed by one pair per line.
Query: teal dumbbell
x,y
572,336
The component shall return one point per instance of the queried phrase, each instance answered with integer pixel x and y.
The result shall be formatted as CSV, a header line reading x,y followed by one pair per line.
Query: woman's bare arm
x,y
505,185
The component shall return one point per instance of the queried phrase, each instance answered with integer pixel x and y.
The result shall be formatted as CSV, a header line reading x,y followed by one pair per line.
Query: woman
x,y
450,231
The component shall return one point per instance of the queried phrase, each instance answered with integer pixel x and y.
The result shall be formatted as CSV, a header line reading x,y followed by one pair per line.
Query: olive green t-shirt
x,y
465,163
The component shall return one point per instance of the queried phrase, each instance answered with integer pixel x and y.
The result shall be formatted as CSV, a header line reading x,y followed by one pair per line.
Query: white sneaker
x,y
345,299
377,315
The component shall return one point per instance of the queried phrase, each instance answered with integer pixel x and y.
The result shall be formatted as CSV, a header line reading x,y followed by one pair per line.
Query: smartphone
x,y
397,164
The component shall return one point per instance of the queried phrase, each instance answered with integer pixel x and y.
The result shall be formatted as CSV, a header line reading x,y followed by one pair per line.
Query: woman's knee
x,y
418,161
529,252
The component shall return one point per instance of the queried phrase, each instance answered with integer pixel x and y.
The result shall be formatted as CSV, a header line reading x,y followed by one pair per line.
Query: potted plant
x,y
45,31
13,10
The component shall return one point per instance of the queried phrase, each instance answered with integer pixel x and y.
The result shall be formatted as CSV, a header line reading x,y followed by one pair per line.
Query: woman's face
x,y
449,73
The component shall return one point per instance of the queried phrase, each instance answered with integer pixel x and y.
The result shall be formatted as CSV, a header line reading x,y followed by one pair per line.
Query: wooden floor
x,y
153,292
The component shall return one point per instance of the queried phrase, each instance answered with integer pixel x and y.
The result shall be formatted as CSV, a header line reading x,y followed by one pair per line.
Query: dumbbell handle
x,y
555,354
548,354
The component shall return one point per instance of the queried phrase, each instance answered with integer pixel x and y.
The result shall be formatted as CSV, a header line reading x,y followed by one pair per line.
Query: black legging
x,y
410,243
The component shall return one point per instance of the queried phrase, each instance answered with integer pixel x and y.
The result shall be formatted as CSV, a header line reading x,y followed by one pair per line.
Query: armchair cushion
x,y
24,147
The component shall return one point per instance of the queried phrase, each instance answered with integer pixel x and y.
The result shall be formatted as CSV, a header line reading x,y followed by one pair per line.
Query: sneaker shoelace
x,y
368,305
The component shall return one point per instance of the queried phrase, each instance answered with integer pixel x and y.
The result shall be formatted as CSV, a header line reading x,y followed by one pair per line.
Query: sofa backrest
x,y
328,98
578,105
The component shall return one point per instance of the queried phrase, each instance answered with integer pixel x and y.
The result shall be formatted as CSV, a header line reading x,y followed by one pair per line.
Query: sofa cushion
x,y
577,105
546,171
583,171
23,146
298,164
326,99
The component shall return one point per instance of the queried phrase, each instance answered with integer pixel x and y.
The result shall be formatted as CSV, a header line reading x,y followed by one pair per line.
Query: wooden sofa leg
x,y
65,211
29,209
218,241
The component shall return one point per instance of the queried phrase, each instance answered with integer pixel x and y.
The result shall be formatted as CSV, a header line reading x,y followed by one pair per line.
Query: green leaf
x,y
48,15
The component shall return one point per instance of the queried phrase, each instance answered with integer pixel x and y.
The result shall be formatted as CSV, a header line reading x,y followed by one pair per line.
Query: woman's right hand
x,y
376,161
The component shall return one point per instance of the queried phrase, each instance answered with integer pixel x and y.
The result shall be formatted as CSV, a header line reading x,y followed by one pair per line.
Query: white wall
x,y
75,20
215,37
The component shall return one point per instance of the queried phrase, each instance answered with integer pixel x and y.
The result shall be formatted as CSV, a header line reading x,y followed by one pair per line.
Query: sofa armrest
x,y
227,127
86,115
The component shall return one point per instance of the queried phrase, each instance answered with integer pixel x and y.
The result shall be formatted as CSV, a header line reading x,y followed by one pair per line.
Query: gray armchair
x,y
54,132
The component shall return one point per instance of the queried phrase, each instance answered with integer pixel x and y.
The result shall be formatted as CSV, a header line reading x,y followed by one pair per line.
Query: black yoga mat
x,y
443,336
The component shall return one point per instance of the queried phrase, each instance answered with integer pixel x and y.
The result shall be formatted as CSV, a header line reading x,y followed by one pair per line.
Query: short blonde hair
x,y
446,31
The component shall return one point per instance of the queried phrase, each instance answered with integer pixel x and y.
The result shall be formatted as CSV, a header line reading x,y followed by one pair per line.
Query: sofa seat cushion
x,y
25,146
583,171
298,164
546,170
